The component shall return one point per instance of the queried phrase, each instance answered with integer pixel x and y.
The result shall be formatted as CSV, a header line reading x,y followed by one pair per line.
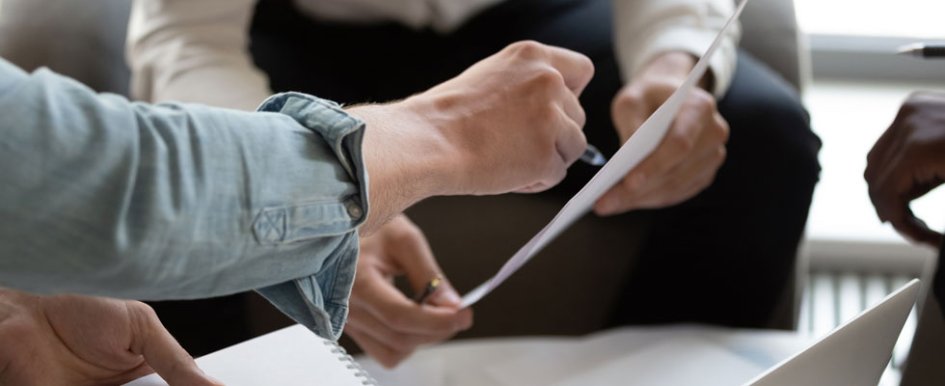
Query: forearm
x,y
407,159
647,29
102,196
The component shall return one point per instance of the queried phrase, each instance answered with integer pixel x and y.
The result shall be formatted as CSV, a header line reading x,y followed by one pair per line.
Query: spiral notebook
x,y
290,356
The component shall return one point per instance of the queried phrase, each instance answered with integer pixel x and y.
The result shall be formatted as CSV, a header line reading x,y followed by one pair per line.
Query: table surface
x,y
717,356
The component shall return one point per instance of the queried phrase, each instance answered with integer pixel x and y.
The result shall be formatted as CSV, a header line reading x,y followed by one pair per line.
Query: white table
x,y
653,355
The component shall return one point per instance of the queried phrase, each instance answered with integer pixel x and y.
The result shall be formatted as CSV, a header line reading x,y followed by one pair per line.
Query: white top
x,y
197,50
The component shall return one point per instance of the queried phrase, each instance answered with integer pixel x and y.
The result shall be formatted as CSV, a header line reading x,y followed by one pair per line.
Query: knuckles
x,y
720,155
628,100
702,101
680,141
721,128
527,50
545,80
586,66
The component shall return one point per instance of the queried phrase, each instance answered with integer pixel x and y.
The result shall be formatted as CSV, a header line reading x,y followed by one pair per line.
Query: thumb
x,y
164,354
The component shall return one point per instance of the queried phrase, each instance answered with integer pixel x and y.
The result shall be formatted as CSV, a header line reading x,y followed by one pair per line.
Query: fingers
x,y
885,147
162,352
634,104
916,230
380,338
890,144
678,185
896,183
571,142
576,68
385,355
684,163
682,139
389,305
409,251
382,320
389,327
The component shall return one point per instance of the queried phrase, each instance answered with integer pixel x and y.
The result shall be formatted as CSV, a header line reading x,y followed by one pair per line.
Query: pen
x,y
592,156
428,290
922,50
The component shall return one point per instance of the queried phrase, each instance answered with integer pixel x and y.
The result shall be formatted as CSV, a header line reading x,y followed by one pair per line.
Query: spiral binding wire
x,y
351,364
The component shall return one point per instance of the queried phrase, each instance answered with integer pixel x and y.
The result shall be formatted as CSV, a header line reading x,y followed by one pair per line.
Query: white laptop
x,y
854,354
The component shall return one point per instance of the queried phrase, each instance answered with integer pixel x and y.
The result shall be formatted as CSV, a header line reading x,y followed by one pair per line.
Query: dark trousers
x,y
723,257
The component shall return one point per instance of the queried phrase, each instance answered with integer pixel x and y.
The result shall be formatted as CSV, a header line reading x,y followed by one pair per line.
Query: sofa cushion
x,y
79,38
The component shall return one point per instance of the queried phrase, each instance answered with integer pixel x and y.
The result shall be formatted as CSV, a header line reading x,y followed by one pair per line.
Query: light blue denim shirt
x,y
102,196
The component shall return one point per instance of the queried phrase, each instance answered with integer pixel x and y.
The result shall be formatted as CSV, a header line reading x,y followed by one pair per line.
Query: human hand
x,y
907,162
514,117
384,322
511,122
686,161
79,340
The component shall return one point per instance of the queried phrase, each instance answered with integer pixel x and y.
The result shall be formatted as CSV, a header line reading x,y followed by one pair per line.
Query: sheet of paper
x,y
291,356
640,145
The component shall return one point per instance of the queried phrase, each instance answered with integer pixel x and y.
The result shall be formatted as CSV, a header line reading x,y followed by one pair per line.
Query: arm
x,y
124,199
658,44
104,196
907,162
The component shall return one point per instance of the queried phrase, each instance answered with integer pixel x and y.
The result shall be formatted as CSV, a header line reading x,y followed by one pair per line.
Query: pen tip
x,y
910,49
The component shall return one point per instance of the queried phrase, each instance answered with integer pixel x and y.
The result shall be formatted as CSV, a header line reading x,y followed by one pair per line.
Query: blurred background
x,y
853,90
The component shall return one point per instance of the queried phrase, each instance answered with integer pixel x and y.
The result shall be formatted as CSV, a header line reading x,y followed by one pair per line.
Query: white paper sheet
x,y
640,145
290,356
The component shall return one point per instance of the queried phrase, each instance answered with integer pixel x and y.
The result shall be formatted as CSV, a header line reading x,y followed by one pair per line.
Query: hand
x,y
515,117
907,162
686,160
388,325
78,340
511,122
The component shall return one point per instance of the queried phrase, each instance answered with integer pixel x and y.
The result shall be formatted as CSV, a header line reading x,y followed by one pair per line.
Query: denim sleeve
x,y
102,196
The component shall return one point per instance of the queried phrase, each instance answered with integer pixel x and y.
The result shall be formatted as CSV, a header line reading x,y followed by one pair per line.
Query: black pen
x,y
593,157
924,51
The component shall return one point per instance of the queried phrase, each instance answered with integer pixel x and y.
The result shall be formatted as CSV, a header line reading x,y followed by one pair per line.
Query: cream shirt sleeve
x,y
646,28
194,51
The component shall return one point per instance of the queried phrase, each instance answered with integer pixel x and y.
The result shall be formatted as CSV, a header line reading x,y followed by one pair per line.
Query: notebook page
x,y
291,356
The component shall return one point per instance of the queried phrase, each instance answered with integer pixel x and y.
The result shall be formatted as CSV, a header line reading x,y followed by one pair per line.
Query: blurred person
x,y
907,162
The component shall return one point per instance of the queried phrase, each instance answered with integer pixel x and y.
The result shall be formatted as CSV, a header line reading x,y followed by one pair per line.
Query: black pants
x,y
723,257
